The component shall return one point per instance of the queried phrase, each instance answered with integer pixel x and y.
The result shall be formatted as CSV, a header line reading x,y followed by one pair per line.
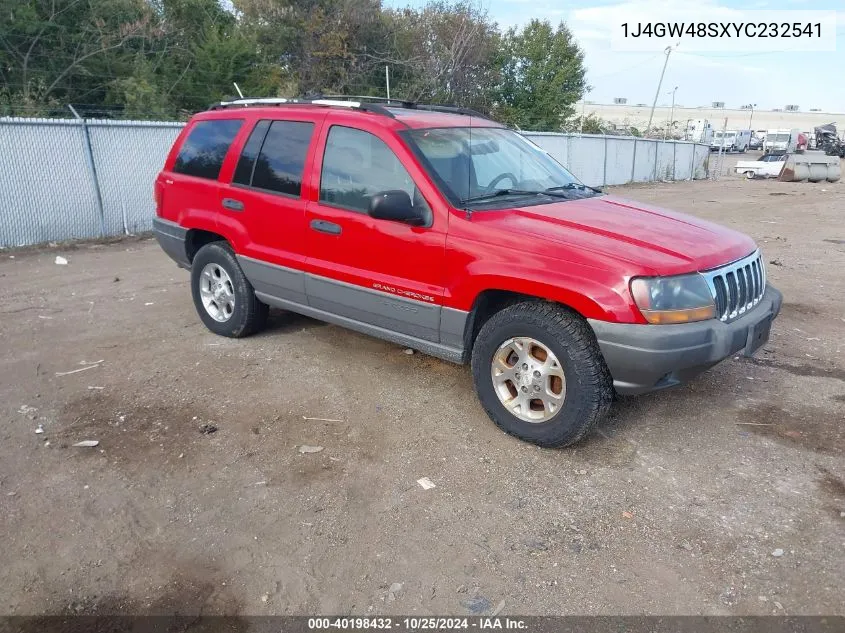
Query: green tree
x,y
591,124
54,52
317,46
542,75
443,53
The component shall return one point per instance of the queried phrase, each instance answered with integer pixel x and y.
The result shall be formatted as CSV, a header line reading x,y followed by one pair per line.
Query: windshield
x,y
777,138
481,165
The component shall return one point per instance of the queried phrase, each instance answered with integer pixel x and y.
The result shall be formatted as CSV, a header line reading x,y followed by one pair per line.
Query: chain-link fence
x,y
71,179
74,179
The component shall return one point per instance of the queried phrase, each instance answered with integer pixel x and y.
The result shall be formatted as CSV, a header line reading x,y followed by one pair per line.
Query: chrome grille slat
x,y
737,287
756,275
749,283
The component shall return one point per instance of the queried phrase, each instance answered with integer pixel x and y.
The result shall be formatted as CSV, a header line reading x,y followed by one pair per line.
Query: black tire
x,y
249,315
589,387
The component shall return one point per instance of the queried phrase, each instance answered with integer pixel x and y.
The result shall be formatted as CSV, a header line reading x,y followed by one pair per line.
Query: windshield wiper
x,y
516,192
574,185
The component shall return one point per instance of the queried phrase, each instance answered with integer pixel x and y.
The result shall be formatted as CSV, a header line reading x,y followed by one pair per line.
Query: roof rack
x,y
245,103
413,105
377,105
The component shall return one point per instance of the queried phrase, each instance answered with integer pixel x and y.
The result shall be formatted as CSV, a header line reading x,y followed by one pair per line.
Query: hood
x,y
655,241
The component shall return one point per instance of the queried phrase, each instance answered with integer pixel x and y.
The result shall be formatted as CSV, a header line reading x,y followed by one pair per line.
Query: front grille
x,y
737,287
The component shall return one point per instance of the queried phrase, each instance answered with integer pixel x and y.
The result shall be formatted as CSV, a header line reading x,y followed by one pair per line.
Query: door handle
x,y
326,227
232,204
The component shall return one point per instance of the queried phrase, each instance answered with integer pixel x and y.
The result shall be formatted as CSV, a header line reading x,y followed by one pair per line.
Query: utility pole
x,y
387,80
668,52
672,115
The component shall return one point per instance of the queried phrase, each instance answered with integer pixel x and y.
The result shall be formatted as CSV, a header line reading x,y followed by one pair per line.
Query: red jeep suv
x,y
438,229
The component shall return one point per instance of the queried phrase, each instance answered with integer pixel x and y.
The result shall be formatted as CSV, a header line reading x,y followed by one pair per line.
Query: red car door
x,y
262,206
368,271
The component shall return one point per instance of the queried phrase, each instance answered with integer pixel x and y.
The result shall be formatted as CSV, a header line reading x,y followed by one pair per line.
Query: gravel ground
x,y
725,496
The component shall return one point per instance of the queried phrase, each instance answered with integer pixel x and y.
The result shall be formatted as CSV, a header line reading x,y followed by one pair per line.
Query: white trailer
x,y
699,131
782,141
731,140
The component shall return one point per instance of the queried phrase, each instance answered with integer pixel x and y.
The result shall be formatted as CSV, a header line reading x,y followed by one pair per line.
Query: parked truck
x,y
784,141
731,140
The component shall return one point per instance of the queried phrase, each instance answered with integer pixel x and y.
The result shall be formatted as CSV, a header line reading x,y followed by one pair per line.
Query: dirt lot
x,y
726,496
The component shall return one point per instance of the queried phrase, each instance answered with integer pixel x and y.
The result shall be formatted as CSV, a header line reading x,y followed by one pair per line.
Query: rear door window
x,y
246,163
281,160
204,150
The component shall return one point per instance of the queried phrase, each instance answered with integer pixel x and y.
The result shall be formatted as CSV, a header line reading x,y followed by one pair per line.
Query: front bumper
x,y
643,358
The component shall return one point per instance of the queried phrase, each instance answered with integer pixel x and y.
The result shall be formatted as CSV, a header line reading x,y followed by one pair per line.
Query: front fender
x,y
593,293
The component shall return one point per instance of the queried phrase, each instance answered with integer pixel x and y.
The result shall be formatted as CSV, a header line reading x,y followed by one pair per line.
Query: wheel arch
x,y
492,300
195,239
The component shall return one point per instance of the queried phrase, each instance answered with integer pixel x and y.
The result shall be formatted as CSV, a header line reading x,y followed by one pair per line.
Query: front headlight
x,y
680,299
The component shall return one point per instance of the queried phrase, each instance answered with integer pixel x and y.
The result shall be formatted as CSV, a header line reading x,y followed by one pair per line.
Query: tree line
x,y
166,59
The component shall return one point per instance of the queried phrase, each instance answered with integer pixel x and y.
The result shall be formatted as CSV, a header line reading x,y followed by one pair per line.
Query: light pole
x,y
751,118
668,52
672,115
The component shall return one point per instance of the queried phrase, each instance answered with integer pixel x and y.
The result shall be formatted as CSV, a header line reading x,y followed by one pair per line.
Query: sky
x,y
768,78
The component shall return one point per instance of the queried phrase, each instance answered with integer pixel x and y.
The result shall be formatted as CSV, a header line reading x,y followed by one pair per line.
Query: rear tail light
x,y
157,195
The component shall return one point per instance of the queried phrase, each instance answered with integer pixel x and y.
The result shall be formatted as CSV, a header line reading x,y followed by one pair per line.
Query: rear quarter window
x,y
205,148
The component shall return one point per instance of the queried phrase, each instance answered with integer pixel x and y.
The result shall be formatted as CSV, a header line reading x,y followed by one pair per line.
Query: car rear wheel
x,y
224,298
540,375
749,175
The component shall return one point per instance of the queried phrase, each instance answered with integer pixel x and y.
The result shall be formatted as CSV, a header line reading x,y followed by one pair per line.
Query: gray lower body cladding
x,y
428,327
171,238
644,358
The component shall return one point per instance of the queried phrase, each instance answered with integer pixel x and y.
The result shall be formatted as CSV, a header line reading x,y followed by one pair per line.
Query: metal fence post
x,y
692,164
634,161
89,154
656,157
674,158
604,172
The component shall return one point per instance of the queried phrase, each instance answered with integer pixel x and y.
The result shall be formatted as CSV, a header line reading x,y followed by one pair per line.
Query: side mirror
x,y
395,205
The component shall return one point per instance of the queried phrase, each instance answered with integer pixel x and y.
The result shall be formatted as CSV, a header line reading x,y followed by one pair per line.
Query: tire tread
x,y
595,385
255,314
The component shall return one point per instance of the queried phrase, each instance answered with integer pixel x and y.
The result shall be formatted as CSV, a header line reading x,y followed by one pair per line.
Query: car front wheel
x,y
540,375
